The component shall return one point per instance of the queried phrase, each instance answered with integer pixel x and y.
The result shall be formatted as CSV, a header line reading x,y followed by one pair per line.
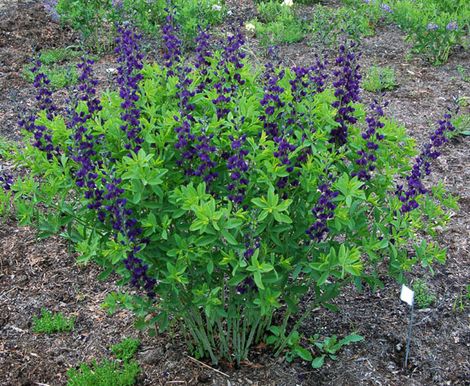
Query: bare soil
x,y
42,273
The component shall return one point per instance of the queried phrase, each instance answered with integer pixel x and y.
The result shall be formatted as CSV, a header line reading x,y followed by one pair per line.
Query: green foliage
x,y
49,323
107,373
423,297
58,55
331,26
96,19
330,346
277,24
60,75
126,349
464,74
379,79
427,23
462,300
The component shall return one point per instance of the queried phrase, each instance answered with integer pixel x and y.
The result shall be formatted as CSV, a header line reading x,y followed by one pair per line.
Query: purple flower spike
x,y
346,86
422,166
323,211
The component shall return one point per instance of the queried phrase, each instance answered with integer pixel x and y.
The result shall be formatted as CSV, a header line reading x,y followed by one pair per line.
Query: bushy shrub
x,y
226,193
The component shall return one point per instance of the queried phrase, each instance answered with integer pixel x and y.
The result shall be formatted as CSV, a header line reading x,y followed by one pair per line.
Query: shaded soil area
x,y
42,273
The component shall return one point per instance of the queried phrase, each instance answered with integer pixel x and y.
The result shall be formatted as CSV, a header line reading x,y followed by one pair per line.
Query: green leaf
x,y
258,280
303,353
282,218
210,267
229,237
318,362
351,339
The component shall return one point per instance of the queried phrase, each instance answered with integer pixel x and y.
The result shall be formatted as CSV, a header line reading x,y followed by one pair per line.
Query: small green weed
x,y
60,76
330,346
58,55
463,73
107,373
423,297
462,300
49,323
380,79
126,349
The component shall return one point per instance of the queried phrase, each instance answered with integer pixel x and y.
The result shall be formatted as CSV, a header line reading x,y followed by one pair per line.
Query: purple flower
x,y
42,136
422,166
323,211
432,27
386,8
6,180
452,26
367,157
238,167
130,59
50,6
346,86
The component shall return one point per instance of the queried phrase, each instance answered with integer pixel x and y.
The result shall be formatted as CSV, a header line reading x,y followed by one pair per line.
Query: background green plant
x,y
423,296
415,18
50,323
329,27
96,19
277,24
379,79
123,372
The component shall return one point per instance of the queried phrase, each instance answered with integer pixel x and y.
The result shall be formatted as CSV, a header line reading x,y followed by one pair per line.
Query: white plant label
x,y
407,295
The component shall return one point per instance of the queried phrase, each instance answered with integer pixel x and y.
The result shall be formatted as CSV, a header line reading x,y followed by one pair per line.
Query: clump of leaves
x,y
423,296
380,79
330,346
126,349
49,323
58,55
277,24
462,300
329,27
60,75
104,374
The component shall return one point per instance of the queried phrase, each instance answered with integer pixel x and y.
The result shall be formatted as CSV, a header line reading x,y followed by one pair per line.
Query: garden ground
x,y
36,274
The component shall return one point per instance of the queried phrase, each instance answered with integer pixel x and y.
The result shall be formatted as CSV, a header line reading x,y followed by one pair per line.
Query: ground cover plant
x,y
50,323
433,27
121,372
97,19
330,27
379,79
224,193
276,23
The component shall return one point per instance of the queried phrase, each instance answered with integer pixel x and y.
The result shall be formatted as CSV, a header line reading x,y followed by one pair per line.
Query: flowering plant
x,y
225,194
434,27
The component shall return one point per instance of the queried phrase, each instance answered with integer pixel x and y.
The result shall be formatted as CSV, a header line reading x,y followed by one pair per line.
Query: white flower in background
x,y
288,3
250,27
217,7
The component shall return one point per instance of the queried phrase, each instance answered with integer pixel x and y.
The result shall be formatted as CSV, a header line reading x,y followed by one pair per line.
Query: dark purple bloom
x,y
367,157
42,136
422,166
6,180
346,86
130,59
238,166
323,211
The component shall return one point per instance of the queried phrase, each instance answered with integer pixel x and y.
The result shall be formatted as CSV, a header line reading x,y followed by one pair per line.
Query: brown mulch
x,y
42,273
